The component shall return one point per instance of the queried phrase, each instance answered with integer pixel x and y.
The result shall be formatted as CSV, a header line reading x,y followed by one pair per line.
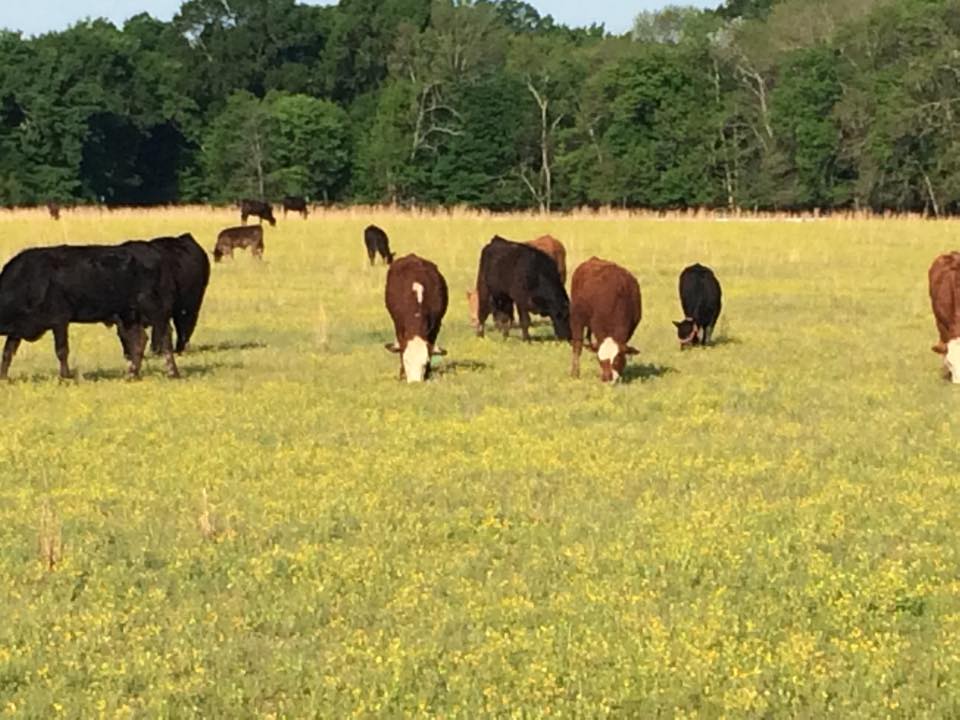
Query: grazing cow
x,y
54,209
292,203
239,237
256,208
945,298
416,298
377,241
701,298
191,273
517,275
129,285
555,249
604,302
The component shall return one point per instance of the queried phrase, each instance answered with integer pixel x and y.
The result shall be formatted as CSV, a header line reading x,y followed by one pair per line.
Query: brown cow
x,y
546,244
945,299
416,298
54,209
246,236
605,302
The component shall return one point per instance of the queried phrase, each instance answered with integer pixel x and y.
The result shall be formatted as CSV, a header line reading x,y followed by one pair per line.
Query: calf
x,y
377,241
191,272
295,204
605,303
517,275
239,237
256,208
416,298
701,298
944,279
129,285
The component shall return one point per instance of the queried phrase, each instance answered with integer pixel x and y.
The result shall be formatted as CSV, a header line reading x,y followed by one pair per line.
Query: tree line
x,y
757,104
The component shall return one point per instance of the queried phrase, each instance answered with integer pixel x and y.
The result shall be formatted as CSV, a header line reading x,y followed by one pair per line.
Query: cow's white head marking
x,y
416,358
952,360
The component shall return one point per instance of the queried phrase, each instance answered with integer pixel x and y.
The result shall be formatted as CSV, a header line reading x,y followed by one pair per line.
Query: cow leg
x,y
243,218
708,335
167,345
9,350
576,339
136,343
61,345
483,310
524,322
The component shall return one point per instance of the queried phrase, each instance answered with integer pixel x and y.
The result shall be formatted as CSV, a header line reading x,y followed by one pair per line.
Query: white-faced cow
x,y
944,278
701,299
416,298
605,304
518,275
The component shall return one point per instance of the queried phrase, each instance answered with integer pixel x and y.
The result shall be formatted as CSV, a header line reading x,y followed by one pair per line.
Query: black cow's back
x,y
700,295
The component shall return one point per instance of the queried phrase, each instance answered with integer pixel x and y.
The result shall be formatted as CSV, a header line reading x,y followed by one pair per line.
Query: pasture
x,y
765,528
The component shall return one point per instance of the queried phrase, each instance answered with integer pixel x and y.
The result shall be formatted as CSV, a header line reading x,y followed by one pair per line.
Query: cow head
x,y
271,219
390,257
613,359
415,357
688,332
951,360
561,322
473,303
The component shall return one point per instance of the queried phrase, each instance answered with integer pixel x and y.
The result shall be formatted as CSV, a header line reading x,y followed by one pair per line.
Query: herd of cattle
x,y
150,285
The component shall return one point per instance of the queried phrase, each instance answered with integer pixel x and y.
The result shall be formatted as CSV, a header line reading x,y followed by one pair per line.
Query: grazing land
x,y
765,528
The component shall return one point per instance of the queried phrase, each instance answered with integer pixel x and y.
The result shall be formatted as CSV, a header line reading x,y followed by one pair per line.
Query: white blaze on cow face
x,y
607,354
416,358
952,360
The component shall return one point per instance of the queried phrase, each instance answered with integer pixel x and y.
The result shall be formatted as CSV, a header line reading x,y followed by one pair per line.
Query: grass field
x,y
768,528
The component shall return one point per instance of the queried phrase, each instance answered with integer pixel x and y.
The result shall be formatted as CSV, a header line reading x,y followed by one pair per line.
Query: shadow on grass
x,y
723,340
645,372
457,367
118,374
226,346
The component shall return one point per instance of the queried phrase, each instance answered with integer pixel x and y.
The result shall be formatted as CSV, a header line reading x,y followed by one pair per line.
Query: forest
x,y
788,105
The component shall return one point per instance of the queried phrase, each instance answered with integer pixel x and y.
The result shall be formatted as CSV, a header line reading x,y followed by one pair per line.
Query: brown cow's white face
x,y
952,360
416,359
613,359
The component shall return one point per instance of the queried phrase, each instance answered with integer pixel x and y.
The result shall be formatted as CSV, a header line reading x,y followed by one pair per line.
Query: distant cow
x,y
701,298
129,285
239,237
416,298
517,275
256,208
191,273
54,209
292,203
377,241
945,298
605,303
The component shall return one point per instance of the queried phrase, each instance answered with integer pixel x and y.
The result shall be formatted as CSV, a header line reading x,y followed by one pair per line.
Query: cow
x,y
416,298
377,241
517,275
605,303
239,237
54,209
944,279
292,203
546,244
191,273
701,299
129,285
256,208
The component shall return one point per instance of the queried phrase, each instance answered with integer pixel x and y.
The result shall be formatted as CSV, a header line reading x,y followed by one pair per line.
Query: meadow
x,y
765,528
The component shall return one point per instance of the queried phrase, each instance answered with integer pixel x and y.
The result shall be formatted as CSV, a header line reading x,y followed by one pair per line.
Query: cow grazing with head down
x,y
944,279
416,298
256,208
605,304
517,275
239,237
47,289
296,204
701,299
54,209
376,241
191,272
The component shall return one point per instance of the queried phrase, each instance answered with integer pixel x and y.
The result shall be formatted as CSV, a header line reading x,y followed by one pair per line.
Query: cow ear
x,y
677,324
631,351
392,347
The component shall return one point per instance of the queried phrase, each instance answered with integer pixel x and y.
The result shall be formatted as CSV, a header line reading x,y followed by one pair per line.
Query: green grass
x,y
764,529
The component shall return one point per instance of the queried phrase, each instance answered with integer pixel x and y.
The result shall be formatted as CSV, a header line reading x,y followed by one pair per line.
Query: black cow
x,y
54,209
295,204
130,285
256,208
377,241
191,272
701,298
515,274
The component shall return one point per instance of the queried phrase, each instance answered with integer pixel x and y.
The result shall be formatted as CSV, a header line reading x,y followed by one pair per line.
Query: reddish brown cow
x,y
605,302
416,298
945,299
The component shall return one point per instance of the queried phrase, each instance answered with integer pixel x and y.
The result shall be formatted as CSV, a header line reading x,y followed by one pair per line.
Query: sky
x,y
38,16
